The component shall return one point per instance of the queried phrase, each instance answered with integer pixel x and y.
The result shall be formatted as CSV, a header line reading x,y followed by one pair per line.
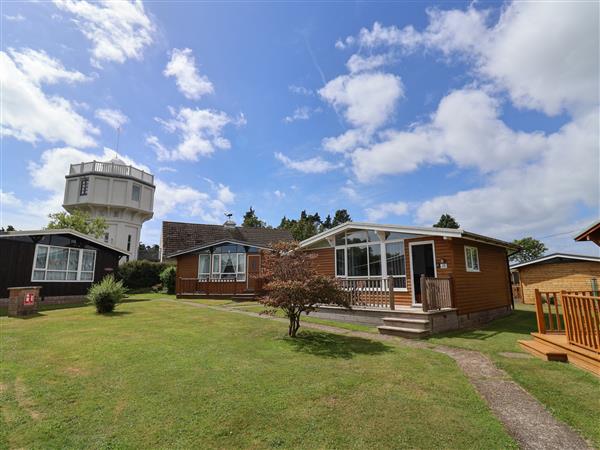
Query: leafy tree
x,y
80,221
326,224
294,286
149,252
341,216
251,220
446,221
8,228
303,228
531,249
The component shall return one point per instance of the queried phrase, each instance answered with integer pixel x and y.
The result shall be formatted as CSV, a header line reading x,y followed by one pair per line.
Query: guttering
x,y
214,243
557,255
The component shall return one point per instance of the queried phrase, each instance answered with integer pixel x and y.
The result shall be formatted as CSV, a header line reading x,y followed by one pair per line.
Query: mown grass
x,y
162,374
570,393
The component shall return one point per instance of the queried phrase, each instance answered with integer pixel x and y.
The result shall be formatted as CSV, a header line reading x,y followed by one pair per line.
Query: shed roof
x,y
556,257
180,237
75,233
591,233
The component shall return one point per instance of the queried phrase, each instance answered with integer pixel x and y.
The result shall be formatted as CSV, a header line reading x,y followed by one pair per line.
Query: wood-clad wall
x,y
475,291
487,289
187,266
554,277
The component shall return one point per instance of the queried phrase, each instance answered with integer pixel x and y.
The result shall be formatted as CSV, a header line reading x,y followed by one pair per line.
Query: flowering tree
x,y
293,285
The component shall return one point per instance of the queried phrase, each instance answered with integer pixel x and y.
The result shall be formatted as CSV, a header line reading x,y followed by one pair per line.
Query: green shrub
x,y
106,294
167,277
140,273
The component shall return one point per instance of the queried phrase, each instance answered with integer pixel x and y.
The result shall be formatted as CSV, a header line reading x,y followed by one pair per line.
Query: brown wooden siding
x,y
487,289
554,277
187,266
323,262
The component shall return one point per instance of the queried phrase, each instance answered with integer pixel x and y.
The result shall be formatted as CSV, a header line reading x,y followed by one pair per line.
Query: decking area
x,y
568,329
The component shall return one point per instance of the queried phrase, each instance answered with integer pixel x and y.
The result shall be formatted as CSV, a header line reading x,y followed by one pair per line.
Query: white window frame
x,y
383,259
471,268
79,265
139,190
205,276
218,275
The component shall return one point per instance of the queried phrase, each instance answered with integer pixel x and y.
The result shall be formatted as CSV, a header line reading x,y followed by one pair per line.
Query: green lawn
x,y
570,393
158,374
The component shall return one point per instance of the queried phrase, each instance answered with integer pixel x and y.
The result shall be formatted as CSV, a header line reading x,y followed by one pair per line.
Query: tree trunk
x,y
294,324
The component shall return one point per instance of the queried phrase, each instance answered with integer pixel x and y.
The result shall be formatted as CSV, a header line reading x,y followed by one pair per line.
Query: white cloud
x,y
279,194
367,99
300,113
118,30
15,18
40,68
199,130
465,129
348,140
300,90
8,199
182,66
358,63
534,196
112,117
383,210
28,114
312,165
167,169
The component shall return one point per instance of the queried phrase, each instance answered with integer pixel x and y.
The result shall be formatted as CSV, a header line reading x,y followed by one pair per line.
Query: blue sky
x,y
398,112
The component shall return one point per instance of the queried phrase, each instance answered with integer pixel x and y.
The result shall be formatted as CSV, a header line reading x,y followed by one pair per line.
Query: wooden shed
x,y
556,272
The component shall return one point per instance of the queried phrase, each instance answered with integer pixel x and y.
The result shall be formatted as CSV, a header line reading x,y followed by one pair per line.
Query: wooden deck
x,y
568,329
556,347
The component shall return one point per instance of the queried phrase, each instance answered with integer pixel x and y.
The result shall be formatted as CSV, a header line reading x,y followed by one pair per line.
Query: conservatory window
x,y
53,263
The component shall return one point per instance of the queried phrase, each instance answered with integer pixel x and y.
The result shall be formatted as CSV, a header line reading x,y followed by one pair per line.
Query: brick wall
x,y
568,276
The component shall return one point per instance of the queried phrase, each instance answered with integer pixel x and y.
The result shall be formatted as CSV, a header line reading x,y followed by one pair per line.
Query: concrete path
x,y
525,419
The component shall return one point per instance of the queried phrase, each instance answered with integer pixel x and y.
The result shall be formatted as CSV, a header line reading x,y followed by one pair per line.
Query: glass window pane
x,y
241,268
357,261
71,275
394,254
339,261
340,239
356,237
57,258
38,275
73,259
392,236
373,236
56,275
40,259
87,276
227,263
374,260
399,282
88,260
216,266
204,264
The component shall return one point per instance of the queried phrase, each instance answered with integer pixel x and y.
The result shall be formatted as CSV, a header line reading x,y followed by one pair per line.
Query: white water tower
x,y
122,194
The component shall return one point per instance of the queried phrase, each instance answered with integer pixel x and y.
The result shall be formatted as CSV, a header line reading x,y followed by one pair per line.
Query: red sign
x,y
29,299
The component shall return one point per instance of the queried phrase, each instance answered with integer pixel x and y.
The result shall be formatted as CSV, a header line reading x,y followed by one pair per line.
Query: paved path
x,y
525,419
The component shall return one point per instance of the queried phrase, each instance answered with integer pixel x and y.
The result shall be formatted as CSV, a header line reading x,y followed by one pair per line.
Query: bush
x,y
106,294
167,277
140,273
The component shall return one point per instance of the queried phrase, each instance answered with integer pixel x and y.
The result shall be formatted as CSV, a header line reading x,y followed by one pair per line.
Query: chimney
x,y
229,223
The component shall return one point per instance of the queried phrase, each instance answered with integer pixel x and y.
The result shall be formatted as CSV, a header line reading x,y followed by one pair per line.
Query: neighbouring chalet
x,y
417,280
217,260
64,263
554,273
591,233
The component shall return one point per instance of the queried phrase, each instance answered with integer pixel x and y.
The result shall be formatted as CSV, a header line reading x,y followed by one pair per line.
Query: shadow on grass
x,y
115,313
329,345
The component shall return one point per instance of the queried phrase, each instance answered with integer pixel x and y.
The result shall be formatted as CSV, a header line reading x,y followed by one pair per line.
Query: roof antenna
x,y
118,136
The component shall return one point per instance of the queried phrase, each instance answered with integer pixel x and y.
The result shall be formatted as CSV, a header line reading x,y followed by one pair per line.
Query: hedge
x,y
141,273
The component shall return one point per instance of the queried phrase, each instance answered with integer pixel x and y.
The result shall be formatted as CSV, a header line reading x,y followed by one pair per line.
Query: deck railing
x,y
437,293
576,314
111,168
215,286
369,292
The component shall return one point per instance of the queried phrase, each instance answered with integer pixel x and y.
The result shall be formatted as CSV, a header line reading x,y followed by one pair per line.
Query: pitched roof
x,y
180,236
419,231
557,257
75,233
589,232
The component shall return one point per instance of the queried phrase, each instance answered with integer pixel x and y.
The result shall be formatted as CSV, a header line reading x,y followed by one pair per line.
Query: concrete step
x,y
402,331
413,324
543,351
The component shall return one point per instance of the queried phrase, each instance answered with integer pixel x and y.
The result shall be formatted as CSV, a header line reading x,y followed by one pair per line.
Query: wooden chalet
x,y
413,281
217,260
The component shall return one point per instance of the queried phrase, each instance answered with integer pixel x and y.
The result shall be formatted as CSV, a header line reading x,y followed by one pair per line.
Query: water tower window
x,y
128,242
105,237
135,193
83,186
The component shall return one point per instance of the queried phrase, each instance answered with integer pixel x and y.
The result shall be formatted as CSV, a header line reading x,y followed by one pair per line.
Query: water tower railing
x,y
111,168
